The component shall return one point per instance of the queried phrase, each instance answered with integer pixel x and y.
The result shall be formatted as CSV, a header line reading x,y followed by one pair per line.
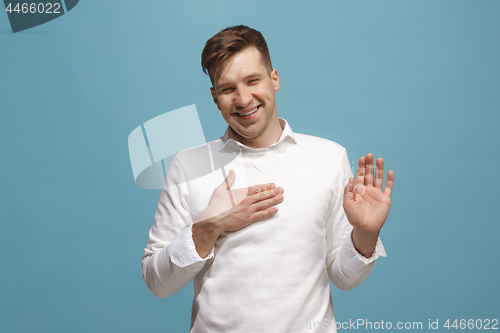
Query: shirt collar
x,y
228,139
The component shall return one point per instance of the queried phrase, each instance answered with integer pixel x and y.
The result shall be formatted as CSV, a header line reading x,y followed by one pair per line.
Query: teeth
x,y
249,113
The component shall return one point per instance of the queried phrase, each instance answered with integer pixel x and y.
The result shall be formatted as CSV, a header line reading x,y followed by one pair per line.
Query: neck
x,y
271,135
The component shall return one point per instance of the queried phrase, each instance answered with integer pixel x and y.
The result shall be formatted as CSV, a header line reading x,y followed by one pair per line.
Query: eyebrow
x,y
249,76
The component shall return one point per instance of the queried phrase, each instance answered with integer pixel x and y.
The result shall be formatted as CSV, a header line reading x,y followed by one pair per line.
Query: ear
x,y
276,80
214,96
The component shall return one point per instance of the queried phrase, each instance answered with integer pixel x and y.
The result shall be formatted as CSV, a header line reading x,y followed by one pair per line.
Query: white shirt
x,y
271,276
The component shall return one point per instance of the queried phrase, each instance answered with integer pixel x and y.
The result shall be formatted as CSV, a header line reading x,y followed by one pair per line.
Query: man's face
x,y
244,93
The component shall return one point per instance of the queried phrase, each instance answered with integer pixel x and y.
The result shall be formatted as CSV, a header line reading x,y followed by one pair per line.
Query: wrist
x,y
364,241
205,234
207,229
366,234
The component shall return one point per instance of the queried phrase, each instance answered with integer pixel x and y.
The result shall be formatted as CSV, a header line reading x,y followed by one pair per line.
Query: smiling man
x,y
244,93
262,244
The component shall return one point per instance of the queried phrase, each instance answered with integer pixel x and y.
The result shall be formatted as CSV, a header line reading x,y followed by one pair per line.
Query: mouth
x,y
250,114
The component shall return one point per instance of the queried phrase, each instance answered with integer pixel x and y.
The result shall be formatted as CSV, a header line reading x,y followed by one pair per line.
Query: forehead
x,y
240,65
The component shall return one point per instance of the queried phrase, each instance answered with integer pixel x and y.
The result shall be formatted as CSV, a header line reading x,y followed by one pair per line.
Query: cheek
x,y
224,105
268,90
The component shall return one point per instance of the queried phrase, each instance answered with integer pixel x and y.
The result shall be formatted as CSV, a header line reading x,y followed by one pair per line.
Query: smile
x,y
251,112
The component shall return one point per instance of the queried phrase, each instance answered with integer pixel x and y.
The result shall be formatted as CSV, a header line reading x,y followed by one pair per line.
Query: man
x,y
262,243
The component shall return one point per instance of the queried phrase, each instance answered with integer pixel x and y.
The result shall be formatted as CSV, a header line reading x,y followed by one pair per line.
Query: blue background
x,y
416,82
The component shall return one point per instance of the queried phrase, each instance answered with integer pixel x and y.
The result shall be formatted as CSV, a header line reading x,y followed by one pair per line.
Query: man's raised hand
x,y
366,205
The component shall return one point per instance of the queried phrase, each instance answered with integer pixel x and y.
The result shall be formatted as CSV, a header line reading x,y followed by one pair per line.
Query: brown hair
x,y
231,41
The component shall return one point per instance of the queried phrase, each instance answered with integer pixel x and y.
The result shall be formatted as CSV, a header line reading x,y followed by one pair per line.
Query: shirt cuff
x,y
353,260
183,251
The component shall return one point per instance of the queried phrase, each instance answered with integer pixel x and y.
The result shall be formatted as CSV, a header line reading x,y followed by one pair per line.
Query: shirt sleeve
x,y
346,267
353,260
170,258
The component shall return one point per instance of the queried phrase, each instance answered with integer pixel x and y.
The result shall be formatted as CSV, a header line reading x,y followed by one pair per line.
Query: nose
x,y
243,97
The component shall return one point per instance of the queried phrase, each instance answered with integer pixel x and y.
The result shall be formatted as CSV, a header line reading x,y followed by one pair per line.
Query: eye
x,y
253,81
227,90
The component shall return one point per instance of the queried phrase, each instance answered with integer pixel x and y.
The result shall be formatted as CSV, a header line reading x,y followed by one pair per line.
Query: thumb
x,y
228,182
230,179
349,189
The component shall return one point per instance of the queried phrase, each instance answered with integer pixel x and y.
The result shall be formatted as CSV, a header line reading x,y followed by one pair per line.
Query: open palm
x,y
365,203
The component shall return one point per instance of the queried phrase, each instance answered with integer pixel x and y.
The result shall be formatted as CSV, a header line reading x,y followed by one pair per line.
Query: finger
x,y
349,189
259,188
264,195
369,170
360,174
389,183
265,204
263,214
379,174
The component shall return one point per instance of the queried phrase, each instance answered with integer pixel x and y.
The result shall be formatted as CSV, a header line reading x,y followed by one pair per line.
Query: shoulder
x,y
314,143
197,152
198,161
324,153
